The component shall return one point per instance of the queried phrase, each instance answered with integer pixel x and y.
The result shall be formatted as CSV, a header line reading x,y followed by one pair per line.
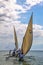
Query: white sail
x,y
27,40
15,37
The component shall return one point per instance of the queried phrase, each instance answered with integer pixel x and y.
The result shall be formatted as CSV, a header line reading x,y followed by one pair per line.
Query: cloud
x,y
33,2
7,33
20,29
37,35
10,12
2,5
38,30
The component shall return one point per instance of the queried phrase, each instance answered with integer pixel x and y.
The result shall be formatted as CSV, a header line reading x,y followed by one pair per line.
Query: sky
x,y
17,13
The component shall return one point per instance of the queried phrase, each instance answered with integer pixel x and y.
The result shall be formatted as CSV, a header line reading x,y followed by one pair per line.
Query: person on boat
x,y
17,53
20,54
14,51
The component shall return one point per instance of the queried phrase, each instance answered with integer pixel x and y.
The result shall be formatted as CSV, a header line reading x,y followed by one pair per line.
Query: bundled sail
x,y
15,37
27,40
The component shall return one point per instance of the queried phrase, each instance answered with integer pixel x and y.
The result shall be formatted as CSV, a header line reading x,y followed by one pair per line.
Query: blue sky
x,y
17,13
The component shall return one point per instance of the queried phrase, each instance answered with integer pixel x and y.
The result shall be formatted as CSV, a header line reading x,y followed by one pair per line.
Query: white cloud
x,y
37,27
8,30
11,9
38,30
20,29
33,2
11,12
37,35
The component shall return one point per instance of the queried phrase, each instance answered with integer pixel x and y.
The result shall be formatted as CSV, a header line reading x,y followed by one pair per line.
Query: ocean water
x,y
32,58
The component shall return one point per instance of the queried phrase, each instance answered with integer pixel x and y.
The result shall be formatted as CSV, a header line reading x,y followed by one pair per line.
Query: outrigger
x,y
26,44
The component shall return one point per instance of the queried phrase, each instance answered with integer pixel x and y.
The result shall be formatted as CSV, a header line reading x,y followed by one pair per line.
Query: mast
x,y
27,39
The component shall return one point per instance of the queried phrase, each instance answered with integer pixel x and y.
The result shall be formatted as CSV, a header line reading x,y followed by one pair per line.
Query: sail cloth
x,y
27,39
15,37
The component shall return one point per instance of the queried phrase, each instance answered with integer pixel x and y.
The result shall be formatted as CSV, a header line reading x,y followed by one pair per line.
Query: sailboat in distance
x,y
28,37
15,37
